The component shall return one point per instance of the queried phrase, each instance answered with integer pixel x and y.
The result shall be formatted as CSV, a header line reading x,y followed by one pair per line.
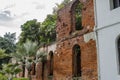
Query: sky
x,y
14,13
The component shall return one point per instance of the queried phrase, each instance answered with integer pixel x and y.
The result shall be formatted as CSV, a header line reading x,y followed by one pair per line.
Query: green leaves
x,y
8,42
48,29
3,77
30,31
10,69
2,54
41,56
30,48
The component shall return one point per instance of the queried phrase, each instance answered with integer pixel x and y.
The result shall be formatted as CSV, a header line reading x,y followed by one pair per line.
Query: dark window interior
x,y
51,63
76,61
116,3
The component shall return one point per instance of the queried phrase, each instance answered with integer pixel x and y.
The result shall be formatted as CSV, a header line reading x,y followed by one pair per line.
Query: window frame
x,y
114,4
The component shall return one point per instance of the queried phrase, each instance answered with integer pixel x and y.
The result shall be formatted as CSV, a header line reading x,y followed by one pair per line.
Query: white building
x,y
108,38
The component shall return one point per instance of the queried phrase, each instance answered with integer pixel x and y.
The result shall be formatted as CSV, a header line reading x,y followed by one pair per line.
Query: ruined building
x,y
74,56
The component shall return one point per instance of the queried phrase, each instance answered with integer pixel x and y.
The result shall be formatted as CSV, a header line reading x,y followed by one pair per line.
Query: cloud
x,y
6,16
40,6
10,6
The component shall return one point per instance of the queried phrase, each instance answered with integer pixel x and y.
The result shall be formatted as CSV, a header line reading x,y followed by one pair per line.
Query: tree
x,y
30,31
10,37
2,54
8,42
25,54
31,49
19,56
3,57
48,29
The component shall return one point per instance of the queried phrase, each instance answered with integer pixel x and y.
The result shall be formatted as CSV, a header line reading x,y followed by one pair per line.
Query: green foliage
x,y
78,16
24,51
2,54
25,54
41,56
2,77
43,33
48,29
3,57
30,48
20,79
11,37
8,43
10,69
30,31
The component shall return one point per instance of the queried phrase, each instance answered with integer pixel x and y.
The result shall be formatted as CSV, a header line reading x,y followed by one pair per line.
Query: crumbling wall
x,y
66,40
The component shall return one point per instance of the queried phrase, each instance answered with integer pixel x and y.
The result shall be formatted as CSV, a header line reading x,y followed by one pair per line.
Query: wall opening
x,y
77,16
76,61
51,63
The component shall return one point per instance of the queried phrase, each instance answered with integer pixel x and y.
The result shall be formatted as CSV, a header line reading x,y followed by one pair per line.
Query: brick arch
x,y
76,61
76,21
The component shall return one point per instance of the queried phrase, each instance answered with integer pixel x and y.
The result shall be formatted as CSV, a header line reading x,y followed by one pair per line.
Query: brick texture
x,y
67,38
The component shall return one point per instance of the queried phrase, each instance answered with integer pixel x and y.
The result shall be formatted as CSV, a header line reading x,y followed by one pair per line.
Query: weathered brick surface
x,y
66,40
88,15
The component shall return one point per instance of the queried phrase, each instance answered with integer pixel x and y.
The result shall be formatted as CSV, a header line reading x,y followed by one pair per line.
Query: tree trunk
x,y
23,68
29,75
43,70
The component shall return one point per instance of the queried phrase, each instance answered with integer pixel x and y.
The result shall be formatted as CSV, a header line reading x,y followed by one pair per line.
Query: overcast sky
x,y
14,13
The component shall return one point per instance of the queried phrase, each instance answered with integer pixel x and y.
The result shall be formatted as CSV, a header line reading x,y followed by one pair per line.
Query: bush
x,y
2,77
20,79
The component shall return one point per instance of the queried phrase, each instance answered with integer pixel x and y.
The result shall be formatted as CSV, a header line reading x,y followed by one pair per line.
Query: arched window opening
x,y
78,16
51,63
76,61
118,45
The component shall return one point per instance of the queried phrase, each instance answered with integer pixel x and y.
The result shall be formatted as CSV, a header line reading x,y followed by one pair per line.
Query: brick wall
x,y
66,41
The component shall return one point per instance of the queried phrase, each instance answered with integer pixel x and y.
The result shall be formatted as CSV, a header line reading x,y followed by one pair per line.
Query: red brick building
x,y
75,57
